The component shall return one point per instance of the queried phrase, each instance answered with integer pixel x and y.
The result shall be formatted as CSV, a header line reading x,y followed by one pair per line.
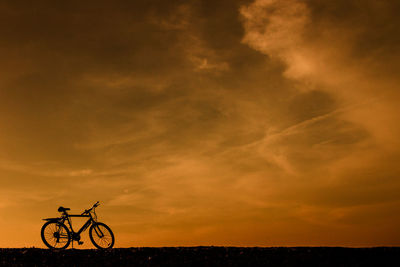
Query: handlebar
x,y
95,205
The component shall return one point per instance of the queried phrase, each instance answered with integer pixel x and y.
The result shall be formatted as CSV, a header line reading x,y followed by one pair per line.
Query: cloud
x,y
339,56
220,122
276,28
320,53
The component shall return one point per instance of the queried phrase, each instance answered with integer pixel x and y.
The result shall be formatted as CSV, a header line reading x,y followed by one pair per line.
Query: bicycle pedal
x,y
80,242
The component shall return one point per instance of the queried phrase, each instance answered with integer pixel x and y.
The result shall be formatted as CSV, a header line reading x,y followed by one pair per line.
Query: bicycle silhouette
x,y
55,234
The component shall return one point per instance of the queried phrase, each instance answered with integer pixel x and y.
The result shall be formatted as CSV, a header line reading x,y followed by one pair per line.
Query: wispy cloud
x,y
261,123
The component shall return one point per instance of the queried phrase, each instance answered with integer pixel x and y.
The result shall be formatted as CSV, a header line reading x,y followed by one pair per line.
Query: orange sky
x,y
245,123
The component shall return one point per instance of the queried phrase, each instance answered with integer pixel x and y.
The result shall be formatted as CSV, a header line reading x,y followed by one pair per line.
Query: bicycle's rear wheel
x,y
55,235
101,236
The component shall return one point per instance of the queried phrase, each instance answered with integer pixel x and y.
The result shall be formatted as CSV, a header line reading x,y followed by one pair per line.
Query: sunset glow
x,y
232,122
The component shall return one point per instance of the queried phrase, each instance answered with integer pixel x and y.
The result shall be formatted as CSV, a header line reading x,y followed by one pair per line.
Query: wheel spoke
x,y
55,235
101,236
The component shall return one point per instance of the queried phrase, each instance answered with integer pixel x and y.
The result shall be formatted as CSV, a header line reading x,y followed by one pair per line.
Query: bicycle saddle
x,y
62,209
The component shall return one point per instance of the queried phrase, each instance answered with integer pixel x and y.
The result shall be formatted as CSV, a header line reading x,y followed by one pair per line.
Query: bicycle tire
x,y
101,242
52,232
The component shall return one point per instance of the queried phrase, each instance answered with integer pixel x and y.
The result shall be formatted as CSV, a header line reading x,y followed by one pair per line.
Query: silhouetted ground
x,y
204,256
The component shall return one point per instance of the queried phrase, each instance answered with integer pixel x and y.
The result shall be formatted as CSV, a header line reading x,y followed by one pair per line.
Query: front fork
x,y
98,231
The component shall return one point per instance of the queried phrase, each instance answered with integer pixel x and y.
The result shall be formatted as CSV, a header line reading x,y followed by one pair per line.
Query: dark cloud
x,y
192,117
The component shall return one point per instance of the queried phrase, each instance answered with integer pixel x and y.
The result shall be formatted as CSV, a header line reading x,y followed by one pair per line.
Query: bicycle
x,y
56,235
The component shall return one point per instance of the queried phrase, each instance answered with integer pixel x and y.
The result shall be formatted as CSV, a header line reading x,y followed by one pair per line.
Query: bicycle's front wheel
x,y
55,235
101,236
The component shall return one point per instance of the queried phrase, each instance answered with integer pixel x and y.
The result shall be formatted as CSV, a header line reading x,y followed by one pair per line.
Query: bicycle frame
x,y
83,228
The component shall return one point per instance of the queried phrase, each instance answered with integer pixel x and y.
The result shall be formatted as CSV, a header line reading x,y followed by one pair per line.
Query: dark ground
x,y
204,256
